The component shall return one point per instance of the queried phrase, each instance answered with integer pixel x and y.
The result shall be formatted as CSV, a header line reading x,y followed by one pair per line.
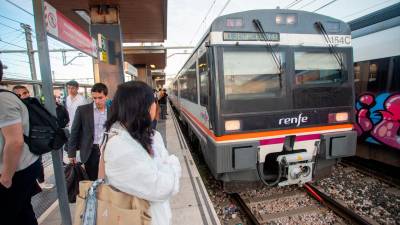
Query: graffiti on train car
x,y
378,118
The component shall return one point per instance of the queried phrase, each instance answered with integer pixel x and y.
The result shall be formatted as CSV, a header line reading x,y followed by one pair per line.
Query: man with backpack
x,y
23,93
19,168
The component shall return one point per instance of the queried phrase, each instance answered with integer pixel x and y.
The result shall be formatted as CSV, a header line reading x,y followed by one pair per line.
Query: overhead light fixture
x,y
152,66
83,14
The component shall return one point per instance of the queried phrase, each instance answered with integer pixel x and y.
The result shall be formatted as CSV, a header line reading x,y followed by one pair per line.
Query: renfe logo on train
x,y
294,120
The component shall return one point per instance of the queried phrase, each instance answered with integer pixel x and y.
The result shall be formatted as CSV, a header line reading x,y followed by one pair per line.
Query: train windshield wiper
x,y
332,48
275,57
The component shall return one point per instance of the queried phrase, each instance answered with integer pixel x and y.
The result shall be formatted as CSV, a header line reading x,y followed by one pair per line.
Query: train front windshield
x,y
251,73
317,68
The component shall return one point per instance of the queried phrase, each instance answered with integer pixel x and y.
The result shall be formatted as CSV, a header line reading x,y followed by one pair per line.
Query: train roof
x,y
304,24
267,18
376,17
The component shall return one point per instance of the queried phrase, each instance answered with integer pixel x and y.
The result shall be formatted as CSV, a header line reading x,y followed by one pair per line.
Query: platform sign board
x,y
63,29
102,47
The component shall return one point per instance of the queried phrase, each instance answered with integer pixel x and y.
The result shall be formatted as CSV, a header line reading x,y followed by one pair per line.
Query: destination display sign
x,y
250,36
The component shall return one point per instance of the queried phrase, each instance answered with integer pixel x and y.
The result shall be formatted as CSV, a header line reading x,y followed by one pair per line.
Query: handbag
x,y
101,204
74,173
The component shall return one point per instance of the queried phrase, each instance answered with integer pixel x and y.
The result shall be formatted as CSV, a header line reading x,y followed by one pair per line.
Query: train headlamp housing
x,y
232,125
286,19
338,117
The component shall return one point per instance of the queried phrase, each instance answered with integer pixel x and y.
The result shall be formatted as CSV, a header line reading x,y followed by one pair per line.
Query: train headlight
x,y
338,117
232,125
286,19
279,19
291,19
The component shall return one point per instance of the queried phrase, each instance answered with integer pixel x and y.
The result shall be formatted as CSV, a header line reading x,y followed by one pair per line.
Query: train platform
x,y
191,205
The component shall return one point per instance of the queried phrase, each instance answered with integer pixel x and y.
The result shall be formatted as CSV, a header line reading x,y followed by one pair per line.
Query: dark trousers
x,y
92,164
163,110
16,200
41,172
154,124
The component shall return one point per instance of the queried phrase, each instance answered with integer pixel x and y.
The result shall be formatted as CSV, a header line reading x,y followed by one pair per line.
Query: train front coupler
x,y
297,168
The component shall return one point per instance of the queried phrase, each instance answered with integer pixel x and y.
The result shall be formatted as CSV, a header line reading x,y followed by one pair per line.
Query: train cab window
x,y
317,68
175,88
188,83
251,73
204,79
183,85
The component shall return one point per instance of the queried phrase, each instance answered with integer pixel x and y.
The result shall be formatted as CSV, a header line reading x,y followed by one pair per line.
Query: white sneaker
x,y
46,185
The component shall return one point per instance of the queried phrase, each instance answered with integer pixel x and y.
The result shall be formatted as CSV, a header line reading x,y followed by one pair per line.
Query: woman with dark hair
x,y
136,160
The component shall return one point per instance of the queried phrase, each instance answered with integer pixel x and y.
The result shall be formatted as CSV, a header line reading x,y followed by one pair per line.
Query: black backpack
x,y
44,132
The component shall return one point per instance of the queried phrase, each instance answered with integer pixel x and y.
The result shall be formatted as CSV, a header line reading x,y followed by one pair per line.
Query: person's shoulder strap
x,y
4,90
102,169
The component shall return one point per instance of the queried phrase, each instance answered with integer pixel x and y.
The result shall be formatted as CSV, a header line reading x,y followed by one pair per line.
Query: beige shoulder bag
x,y
113,207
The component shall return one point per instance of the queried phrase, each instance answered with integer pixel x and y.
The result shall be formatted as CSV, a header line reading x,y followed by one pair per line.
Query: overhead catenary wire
x,y
8,18
307,4
12,44
203,21
19,7
223,8
13,28
293,4
327,4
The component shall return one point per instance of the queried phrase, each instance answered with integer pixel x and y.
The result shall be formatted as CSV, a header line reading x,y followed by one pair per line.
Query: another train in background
x,y
376,46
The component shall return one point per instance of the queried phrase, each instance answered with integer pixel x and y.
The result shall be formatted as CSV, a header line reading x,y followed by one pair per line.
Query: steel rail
x,y
245,208
337,207
371,172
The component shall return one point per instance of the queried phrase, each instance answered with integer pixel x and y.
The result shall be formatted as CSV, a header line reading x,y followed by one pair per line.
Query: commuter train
x,y
269,96
376,43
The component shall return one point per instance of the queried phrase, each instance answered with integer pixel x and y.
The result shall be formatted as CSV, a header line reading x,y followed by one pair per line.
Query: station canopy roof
x,y
140,20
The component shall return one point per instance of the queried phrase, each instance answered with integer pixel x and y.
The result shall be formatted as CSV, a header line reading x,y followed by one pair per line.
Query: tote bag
x,y
101,204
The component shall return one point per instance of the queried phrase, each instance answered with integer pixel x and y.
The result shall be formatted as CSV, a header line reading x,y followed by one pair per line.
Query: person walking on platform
x,y
136,160
87,131
74,100
157,117
23,93
163,104
19,168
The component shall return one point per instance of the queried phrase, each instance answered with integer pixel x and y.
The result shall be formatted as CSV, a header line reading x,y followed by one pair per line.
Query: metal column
x,y
47,90
31,57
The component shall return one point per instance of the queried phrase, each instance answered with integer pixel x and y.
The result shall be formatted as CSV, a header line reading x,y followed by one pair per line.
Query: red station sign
x,y
61,28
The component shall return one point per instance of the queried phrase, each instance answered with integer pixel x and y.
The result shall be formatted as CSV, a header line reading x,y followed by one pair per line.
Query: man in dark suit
x,y
87,130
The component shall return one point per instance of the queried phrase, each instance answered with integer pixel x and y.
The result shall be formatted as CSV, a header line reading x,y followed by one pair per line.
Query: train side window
x,y
192,83
183,85
175,88
203,72
395,82
378,75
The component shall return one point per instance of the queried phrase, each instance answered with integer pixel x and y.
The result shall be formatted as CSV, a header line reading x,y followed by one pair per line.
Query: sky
x,y
187,22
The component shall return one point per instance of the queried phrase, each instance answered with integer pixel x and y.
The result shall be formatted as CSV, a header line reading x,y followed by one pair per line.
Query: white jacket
x,y
132,170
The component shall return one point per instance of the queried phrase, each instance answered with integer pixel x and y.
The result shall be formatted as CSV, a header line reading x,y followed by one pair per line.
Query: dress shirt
x,y
100,119
72,104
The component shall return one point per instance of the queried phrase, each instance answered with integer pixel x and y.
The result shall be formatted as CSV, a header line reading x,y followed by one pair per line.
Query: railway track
x,y
285,205
381,172
295,205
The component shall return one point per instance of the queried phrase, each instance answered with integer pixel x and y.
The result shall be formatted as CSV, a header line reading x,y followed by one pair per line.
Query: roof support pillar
x,y
110,73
